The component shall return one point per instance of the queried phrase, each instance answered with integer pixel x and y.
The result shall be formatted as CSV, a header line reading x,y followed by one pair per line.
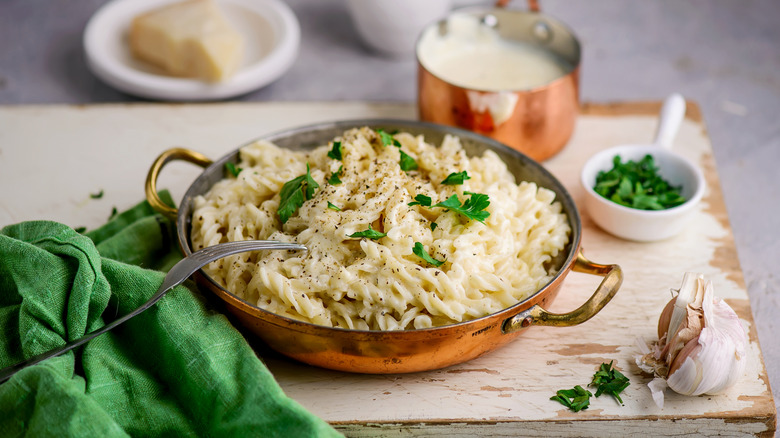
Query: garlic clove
x,y
686,373
686,295
666,318
712,362
685,322
701,347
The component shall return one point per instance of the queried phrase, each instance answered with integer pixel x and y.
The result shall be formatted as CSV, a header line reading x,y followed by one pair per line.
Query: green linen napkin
x,y
178,369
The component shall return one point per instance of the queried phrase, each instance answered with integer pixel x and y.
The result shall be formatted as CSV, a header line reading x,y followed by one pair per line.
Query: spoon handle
x,y
178,273
672,114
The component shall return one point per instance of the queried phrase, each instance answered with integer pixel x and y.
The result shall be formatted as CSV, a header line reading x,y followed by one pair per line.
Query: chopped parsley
x,y
80,230
407,163
232,169
472,208
637,185
333,206
434,225
456,178
370,233
334,179
423,200
576,399
387,139
608,380
97,195
294,193
419,251
335,151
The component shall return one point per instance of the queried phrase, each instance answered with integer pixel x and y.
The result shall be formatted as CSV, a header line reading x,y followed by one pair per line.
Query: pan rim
x,y
183,222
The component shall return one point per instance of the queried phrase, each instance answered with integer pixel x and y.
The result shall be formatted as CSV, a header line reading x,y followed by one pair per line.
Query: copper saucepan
x,y
380,352
537,121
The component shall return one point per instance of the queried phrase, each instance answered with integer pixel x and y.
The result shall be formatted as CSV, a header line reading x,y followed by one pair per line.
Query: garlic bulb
x,y
701,346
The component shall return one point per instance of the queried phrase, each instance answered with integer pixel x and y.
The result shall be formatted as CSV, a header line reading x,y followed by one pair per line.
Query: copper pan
x,y
541,119
379,352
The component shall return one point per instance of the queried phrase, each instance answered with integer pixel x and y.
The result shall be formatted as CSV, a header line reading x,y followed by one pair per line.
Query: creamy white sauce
x,y
473,55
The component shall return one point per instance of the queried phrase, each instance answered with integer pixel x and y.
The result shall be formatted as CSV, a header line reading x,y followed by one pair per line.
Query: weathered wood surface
x,y
71,152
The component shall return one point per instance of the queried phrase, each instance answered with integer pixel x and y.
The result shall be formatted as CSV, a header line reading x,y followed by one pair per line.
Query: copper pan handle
x,y
533,5
536,315
151,178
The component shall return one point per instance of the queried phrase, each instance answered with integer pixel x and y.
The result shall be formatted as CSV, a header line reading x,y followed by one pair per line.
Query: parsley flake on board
x,y
97,195
387,139
407,163
576,399
419,251
370,233
456,178
637,185
608,380
232,169
472,208
333,206
335,151
334,179
423,200
294,193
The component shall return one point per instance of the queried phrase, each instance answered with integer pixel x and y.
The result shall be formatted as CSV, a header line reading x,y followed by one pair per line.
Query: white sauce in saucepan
x,y
473,55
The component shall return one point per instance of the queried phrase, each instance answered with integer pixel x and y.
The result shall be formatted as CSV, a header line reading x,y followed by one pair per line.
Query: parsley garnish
x,y
472,208
576,399
114,212
80,230
434,225
370,233
335,151
407,163
387,139
608,380
333,206
423,200
97,195
419,251
232,169
294,193
334,179
456,178
637,185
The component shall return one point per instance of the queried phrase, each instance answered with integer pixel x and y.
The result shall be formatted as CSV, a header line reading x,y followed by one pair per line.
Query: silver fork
x,y
176,276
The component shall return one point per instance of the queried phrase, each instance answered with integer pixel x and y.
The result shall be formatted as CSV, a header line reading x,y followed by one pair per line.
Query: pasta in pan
x,y
375,262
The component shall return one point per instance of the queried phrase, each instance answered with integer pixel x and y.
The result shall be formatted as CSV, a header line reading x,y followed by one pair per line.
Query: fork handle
x,y
178,273
7,372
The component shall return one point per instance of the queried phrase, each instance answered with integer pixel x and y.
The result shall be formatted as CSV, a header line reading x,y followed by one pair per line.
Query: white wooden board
x,y
53,157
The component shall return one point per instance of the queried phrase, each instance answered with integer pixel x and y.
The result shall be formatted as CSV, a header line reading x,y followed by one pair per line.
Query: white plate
x,y
271,38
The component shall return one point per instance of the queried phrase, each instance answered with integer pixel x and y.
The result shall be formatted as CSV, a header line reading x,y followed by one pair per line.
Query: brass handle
x,y
151,178
536,315
533,5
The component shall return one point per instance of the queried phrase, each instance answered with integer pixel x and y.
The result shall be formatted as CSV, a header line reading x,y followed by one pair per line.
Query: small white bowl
x,y
647,225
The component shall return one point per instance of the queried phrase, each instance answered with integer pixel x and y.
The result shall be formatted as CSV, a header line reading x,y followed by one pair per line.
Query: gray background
x,y
723,54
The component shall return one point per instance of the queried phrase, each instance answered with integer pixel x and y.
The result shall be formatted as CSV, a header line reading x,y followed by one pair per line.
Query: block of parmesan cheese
x,y
188,39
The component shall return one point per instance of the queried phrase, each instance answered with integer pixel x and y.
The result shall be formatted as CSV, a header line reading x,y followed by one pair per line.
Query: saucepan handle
x,y
533,5
154,172
536,315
